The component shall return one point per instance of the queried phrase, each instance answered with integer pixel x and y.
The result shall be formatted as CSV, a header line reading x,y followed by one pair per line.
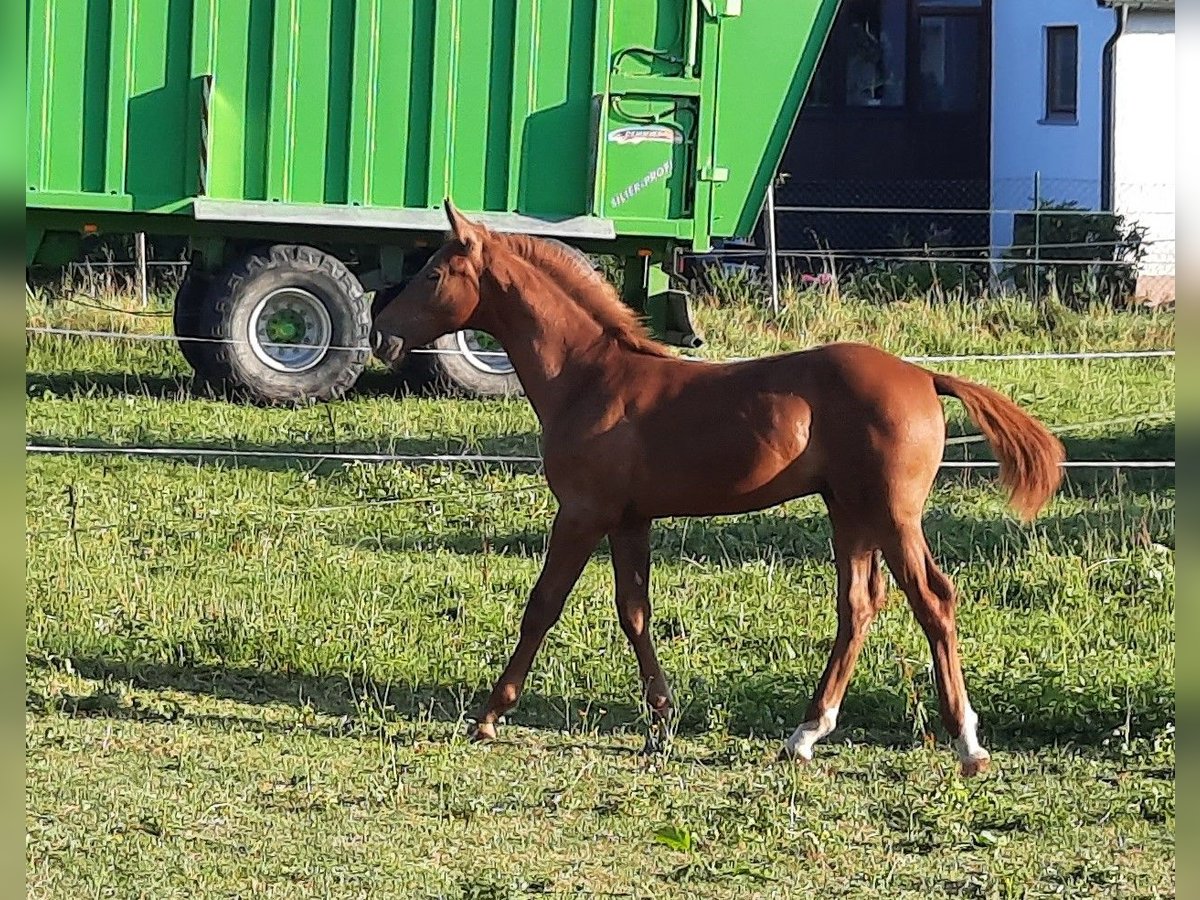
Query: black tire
x,y
187,319
326,360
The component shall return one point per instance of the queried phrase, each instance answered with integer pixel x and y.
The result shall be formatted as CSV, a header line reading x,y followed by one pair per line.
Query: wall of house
x,y
1144,142
1068,156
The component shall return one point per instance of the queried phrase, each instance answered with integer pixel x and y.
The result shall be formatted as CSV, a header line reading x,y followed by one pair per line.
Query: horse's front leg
x,y
631,567
572,540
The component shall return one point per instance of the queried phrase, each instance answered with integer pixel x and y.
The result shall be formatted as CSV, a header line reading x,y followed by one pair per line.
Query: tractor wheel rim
x,y
483,352
290,330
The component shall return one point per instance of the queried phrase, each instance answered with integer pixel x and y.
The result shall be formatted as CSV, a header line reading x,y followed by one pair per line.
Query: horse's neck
x,y
550,339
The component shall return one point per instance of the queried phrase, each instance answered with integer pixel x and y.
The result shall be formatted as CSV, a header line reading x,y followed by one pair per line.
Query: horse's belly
x,y
693,456
703,484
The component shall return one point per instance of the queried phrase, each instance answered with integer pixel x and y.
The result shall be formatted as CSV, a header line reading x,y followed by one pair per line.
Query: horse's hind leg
x,y
631,566
933,599
861,594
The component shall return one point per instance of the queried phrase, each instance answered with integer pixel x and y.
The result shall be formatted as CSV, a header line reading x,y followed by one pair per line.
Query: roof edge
x,y
1152,5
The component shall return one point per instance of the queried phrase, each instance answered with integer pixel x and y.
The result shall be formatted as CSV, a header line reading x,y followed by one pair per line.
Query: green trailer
x,y
303,149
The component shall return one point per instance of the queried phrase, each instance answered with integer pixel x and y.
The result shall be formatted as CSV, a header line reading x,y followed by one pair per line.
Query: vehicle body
x,y
304,148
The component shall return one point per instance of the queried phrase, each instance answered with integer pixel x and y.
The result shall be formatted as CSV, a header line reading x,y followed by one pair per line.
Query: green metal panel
x,y
116,107
159,160
664,118
107,103
749,138
551,107
651,119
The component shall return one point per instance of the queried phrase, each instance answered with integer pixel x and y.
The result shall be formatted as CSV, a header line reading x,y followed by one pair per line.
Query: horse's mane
x,y
589,289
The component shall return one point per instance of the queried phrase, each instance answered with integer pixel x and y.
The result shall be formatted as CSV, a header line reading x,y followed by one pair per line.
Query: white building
x,y
920,106
1140,168
1089,119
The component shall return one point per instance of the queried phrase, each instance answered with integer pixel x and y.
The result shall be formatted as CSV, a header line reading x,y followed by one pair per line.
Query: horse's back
x,y
843,371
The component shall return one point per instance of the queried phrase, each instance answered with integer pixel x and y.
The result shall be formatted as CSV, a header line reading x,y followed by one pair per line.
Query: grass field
x,y
251,680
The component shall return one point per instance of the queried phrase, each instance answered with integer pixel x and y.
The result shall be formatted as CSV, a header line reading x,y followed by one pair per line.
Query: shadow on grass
x,y
106,704
1147,442
80,385
92,385
1016,716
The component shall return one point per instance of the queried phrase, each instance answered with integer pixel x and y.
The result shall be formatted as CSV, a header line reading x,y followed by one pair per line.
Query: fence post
x,y
143,285
772,256
1037,234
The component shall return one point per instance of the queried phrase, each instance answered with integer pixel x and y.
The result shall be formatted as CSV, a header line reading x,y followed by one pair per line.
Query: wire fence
x,y
466,458
235,454
854,214
513,461
1032,235
944,253
500,354
321,456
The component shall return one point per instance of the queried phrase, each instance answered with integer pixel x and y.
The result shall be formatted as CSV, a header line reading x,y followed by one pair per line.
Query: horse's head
x,y
440,299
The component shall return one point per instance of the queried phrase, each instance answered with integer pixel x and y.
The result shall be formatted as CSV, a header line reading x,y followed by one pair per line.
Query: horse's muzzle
x,y
387,347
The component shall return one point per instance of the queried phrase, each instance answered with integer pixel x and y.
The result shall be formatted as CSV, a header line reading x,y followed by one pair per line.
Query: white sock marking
x,y
967,744
808,733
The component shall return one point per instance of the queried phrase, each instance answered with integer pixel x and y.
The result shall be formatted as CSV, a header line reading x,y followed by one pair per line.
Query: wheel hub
x,y
290,330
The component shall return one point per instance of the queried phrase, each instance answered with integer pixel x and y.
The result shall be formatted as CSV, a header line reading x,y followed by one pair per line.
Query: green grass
x,y
252,681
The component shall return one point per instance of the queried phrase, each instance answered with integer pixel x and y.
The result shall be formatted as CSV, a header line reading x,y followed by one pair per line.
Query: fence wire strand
x,y
965,357
886,252
315,455
467,458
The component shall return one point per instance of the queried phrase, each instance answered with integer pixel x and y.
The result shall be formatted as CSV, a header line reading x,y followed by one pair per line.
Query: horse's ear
x,y
465,231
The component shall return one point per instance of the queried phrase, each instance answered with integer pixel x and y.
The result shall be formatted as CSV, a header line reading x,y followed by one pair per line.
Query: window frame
x,y
1052,114
931,10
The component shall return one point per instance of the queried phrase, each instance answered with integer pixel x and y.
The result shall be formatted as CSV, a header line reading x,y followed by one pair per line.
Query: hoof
x,y
659,739
787,754
975,765
482,732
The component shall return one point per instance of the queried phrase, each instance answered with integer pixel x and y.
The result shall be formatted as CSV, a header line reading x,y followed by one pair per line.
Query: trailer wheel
x,y
467,363
295,326
472,363
186,317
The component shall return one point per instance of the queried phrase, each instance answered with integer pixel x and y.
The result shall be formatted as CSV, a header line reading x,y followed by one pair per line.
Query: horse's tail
x,y
1030,456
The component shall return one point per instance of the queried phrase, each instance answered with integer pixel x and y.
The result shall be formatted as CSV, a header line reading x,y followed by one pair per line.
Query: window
x,y
1062,73
875,53
925,56
949,63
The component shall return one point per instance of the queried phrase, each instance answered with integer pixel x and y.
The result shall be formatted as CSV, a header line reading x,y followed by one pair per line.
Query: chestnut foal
x,y
632,433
